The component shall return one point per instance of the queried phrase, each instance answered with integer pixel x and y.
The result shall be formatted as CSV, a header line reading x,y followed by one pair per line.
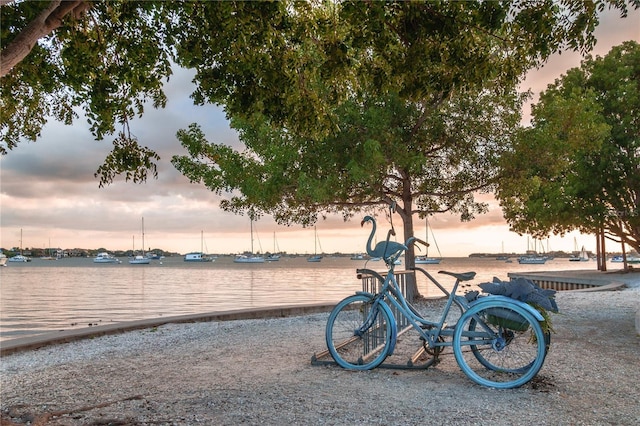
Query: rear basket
x,y
507,318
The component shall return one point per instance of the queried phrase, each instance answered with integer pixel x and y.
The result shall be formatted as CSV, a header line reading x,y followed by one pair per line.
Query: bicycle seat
x,y
464,276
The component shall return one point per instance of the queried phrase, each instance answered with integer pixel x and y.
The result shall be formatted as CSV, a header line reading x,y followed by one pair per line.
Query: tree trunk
x,y
48,20
602,252
409,257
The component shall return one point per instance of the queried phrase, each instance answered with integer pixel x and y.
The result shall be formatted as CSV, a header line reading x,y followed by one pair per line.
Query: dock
x,y
583,280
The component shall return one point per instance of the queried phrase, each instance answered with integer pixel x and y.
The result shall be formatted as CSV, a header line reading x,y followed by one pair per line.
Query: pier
x,y
587,280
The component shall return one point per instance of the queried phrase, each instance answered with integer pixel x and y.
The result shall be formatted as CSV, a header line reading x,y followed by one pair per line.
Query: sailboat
x,y
532,257
250,257
140,259
426,260
273,257
198,256
583,257
20,257
50,255
316,257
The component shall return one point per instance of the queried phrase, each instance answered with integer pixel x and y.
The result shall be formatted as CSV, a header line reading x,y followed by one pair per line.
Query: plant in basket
x,y
526,291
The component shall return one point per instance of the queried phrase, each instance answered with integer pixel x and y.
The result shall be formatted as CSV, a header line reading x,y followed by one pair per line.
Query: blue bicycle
x,y
497,341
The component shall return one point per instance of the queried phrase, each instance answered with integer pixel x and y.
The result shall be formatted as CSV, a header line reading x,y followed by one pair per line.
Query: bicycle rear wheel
x,y
359,333
499,345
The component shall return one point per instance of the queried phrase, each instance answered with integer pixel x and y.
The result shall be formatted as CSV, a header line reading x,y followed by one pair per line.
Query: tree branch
x,y
48,20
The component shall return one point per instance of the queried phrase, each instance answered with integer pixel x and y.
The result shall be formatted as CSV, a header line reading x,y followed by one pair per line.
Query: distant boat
x,y
140,259
532,257
316,257
630,259
274,257
105,257
502,256
49,257
20,257
583,257
426,260
249,257
198,256
3,259
532,260
358,256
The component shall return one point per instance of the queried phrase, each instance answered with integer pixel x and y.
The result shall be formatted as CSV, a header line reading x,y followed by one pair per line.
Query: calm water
x,y
44,296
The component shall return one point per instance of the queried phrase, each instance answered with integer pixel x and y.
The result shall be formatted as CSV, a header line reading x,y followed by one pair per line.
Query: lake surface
x,y
43,296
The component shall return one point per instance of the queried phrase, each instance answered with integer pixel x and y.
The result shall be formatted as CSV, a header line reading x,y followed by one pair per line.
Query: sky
x,y
49,196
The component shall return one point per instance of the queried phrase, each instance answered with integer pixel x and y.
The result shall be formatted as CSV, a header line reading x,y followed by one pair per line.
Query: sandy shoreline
x,y
258,371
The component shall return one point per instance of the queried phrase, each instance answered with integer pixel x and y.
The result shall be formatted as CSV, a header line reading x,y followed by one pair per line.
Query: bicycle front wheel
x,y
499,345
359,333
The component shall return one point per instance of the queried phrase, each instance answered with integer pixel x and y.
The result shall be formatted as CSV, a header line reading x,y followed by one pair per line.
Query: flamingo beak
x,y
362,223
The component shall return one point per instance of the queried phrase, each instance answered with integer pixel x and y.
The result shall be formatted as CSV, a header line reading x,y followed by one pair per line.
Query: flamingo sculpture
x,y
383,249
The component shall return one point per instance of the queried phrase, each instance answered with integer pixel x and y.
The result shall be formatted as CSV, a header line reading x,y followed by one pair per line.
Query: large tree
x,y
364,100
385,150
578,165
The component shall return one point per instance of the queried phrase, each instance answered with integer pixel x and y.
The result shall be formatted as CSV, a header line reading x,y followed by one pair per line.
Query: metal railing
x,y
373,285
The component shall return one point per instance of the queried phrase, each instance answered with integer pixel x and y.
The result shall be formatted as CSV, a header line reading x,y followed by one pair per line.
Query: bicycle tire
x,y
359,350
499,345
487,363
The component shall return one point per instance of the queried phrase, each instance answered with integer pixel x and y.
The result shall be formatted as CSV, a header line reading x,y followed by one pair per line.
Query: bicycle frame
x,y
390,294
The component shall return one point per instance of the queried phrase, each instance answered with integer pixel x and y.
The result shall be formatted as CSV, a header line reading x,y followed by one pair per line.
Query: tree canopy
x,y
108,59
578,165
390,101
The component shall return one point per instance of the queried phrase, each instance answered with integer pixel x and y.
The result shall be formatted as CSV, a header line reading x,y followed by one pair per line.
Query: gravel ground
x,y
260,372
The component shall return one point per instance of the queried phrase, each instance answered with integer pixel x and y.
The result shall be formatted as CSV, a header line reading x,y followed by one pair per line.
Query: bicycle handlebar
x,y
418,240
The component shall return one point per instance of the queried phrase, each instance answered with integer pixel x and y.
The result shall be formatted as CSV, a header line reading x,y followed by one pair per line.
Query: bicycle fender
x,y
508,301
364,293
394,326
